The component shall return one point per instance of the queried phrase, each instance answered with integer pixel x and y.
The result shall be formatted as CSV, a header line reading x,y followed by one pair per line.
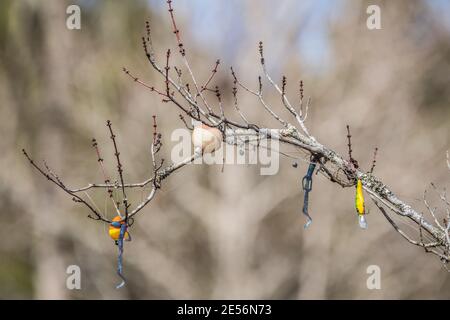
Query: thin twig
x,y
119,168
75,197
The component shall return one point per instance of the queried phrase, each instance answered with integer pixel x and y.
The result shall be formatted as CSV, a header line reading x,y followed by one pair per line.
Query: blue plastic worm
x,y
123,229
307,187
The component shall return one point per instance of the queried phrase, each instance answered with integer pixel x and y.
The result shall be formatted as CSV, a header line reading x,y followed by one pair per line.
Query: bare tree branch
x,y
195,106
159,174
291,135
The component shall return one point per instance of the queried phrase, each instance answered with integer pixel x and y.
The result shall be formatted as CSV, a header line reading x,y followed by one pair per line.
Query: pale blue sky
x,y
220,24
212,18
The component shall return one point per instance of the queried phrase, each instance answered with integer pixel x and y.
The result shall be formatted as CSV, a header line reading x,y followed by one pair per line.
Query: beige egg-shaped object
x,y
206,138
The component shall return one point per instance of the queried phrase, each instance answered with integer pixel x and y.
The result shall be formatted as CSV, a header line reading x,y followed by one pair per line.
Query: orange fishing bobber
x,y
114,228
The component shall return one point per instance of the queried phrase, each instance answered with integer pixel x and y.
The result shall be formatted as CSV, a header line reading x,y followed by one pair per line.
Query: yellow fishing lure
x,y
359,204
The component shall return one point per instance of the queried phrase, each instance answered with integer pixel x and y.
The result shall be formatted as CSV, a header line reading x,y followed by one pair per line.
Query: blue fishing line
x,y
123,229
307,187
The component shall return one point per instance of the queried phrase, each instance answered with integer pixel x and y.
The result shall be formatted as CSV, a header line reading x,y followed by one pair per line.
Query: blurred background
x,y
208,234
